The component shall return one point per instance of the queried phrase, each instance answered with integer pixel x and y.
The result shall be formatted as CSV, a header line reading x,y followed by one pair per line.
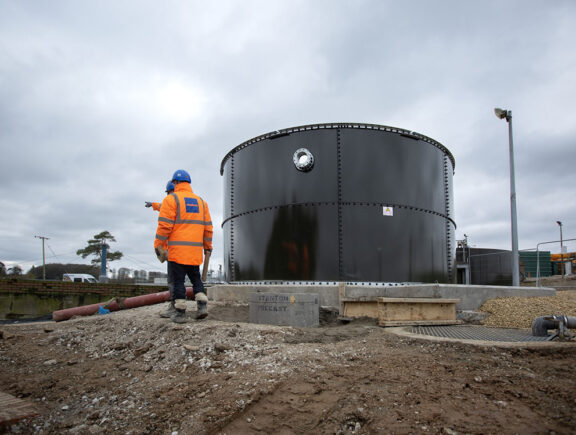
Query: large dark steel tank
x,y
339,202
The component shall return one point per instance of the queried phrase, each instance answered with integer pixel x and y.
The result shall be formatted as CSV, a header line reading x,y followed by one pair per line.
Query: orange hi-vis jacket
x,y
156,206
184,226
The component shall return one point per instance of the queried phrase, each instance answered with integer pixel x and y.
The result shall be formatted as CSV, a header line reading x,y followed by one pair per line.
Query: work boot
x,y
202,312
170,311
179,315
201,301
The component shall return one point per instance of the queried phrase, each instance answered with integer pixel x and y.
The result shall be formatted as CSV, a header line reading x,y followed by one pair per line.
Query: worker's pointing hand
x,y
147,204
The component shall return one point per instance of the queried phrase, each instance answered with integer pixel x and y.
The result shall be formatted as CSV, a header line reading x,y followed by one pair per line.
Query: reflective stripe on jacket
x,y
184,226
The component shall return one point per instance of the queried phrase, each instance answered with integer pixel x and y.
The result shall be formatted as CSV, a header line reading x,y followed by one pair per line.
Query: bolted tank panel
x,y
410,247
339,202
404,170
286,246
264,174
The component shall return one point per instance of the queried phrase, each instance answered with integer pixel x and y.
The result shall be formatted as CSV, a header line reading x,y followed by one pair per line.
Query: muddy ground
x,y
133,372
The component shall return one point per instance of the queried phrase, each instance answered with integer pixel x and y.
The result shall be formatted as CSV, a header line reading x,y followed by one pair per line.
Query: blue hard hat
x,y
169,187
181,175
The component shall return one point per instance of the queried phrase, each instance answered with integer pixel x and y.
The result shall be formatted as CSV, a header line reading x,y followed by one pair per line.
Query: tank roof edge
x,y
336,125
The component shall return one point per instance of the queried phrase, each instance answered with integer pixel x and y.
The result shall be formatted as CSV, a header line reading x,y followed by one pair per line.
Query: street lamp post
x,y
507,114
561,250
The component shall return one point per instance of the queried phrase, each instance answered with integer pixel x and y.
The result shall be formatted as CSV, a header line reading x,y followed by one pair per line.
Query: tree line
x,y
10,271
55,271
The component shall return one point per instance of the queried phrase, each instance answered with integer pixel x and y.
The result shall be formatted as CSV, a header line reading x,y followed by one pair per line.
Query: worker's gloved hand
x,y
147,204
161,253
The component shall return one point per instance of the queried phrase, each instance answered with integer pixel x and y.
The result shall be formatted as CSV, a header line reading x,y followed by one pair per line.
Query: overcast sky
x,y
100,102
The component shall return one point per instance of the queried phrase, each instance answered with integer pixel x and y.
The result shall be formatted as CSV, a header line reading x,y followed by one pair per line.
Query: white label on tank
x,y
388,211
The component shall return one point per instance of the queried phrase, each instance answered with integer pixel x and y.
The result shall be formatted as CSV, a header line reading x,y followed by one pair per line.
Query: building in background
x,y
569,259
486,266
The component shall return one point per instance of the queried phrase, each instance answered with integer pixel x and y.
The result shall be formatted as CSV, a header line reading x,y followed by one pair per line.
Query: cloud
x,y
101,102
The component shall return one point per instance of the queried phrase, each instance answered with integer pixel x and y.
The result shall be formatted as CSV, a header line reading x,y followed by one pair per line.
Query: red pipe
x,y
117,304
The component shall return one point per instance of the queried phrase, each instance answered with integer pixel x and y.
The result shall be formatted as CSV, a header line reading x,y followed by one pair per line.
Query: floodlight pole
x,y
507,114
561,250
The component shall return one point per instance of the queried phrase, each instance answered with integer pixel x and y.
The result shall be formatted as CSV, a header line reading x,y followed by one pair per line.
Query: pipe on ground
x,y
117,304
541,325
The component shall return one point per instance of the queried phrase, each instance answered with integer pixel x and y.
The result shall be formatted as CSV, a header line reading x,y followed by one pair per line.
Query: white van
x,y
78,277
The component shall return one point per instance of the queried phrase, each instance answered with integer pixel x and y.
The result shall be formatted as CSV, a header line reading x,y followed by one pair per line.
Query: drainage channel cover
x,y
464,332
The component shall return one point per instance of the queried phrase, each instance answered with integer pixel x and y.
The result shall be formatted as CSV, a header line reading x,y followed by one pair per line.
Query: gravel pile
x,y
517,312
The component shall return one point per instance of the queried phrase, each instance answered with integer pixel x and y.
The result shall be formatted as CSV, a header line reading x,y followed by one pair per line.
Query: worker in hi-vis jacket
x,y
185,232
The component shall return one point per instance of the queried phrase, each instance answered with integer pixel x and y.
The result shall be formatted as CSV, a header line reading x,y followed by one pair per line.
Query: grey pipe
x,y
541,325
570,322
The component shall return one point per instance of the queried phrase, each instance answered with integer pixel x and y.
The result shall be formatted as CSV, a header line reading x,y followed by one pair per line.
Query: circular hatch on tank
x,y
303,159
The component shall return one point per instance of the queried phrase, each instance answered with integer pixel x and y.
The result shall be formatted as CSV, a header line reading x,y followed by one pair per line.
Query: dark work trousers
x,y
170,285
179,272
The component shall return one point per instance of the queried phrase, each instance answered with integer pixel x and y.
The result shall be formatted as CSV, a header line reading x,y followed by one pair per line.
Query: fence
x,y
538,249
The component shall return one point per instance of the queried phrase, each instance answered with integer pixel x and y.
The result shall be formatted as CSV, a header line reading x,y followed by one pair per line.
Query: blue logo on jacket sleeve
x,y
191,205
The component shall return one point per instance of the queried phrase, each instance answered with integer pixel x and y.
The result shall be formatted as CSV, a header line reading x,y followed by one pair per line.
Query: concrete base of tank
x,y
471,297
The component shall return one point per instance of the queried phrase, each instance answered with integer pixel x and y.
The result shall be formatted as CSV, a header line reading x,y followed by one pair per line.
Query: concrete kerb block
x,y
327,294
285,309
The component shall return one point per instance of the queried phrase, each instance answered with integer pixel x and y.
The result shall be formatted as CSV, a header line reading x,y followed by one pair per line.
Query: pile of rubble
x,y
518,312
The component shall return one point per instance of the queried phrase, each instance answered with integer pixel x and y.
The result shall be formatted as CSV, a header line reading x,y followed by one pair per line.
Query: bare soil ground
x,y
133,372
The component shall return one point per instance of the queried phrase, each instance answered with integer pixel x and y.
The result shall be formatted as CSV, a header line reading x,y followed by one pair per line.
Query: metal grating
x,y
465,332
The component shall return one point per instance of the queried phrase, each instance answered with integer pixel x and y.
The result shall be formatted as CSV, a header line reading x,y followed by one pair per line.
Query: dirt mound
x,y
133,372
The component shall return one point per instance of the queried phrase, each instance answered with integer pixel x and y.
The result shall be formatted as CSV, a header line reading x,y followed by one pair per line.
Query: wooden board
x,y
402,311
360,308
419,300
415,311
418,322
13,409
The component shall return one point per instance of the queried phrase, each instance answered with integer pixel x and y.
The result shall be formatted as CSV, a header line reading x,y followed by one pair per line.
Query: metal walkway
x,y
467,332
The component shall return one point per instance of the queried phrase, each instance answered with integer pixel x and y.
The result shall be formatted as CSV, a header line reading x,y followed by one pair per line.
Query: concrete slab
x,y
327,294
471,296
330,294
285,309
